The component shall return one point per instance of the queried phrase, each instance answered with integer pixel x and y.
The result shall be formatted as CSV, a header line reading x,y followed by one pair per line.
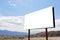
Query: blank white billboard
x,y
39,19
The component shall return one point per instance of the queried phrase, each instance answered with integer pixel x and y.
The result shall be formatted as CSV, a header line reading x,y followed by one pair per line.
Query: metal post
x,y
46,34
28,34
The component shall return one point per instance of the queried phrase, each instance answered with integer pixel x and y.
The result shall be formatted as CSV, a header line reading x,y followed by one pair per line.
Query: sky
x,y
15,10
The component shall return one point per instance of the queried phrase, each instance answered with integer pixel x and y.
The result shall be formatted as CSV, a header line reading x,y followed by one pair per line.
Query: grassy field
x,y
35,38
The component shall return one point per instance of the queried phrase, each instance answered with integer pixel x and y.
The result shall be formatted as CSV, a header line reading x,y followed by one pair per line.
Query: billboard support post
x,y
28,34
46,34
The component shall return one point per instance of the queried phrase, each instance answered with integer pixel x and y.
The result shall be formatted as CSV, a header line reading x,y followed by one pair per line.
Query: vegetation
x,y
50,34
41,35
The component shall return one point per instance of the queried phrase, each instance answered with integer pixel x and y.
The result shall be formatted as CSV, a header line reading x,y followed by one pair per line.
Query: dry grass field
x,y
43,38
35,38
10,39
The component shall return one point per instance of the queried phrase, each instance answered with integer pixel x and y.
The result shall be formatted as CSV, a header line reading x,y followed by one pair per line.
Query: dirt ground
x,y
43,38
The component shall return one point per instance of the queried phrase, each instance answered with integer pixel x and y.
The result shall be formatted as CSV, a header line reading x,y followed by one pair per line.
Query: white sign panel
x,y
39,19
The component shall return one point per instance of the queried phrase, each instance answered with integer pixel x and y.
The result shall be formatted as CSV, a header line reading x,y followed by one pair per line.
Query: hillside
x,y
50,34
9,34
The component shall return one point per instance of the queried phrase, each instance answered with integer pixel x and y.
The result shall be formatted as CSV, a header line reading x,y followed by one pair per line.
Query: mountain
x,y
12,32
6,33
50,34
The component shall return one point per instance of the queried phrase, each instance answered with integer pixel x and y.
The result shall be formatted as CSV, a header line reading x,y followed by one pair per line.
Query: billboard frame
x,y
53,21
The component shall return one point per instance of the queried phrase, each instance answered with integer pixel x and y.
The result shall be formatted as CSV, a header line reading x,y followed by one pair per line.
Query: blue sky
x,y
21,7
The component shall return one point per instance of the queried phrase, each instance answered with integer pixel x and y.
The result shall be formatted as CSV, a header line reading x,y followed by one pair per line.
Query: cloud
x,y
58,22
15,2
12,3
12,23
24,3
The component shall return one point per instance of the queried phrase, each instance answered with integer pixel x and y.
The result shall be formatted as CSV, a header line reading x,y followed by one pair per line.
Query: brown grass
x,y
35,38
11,39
